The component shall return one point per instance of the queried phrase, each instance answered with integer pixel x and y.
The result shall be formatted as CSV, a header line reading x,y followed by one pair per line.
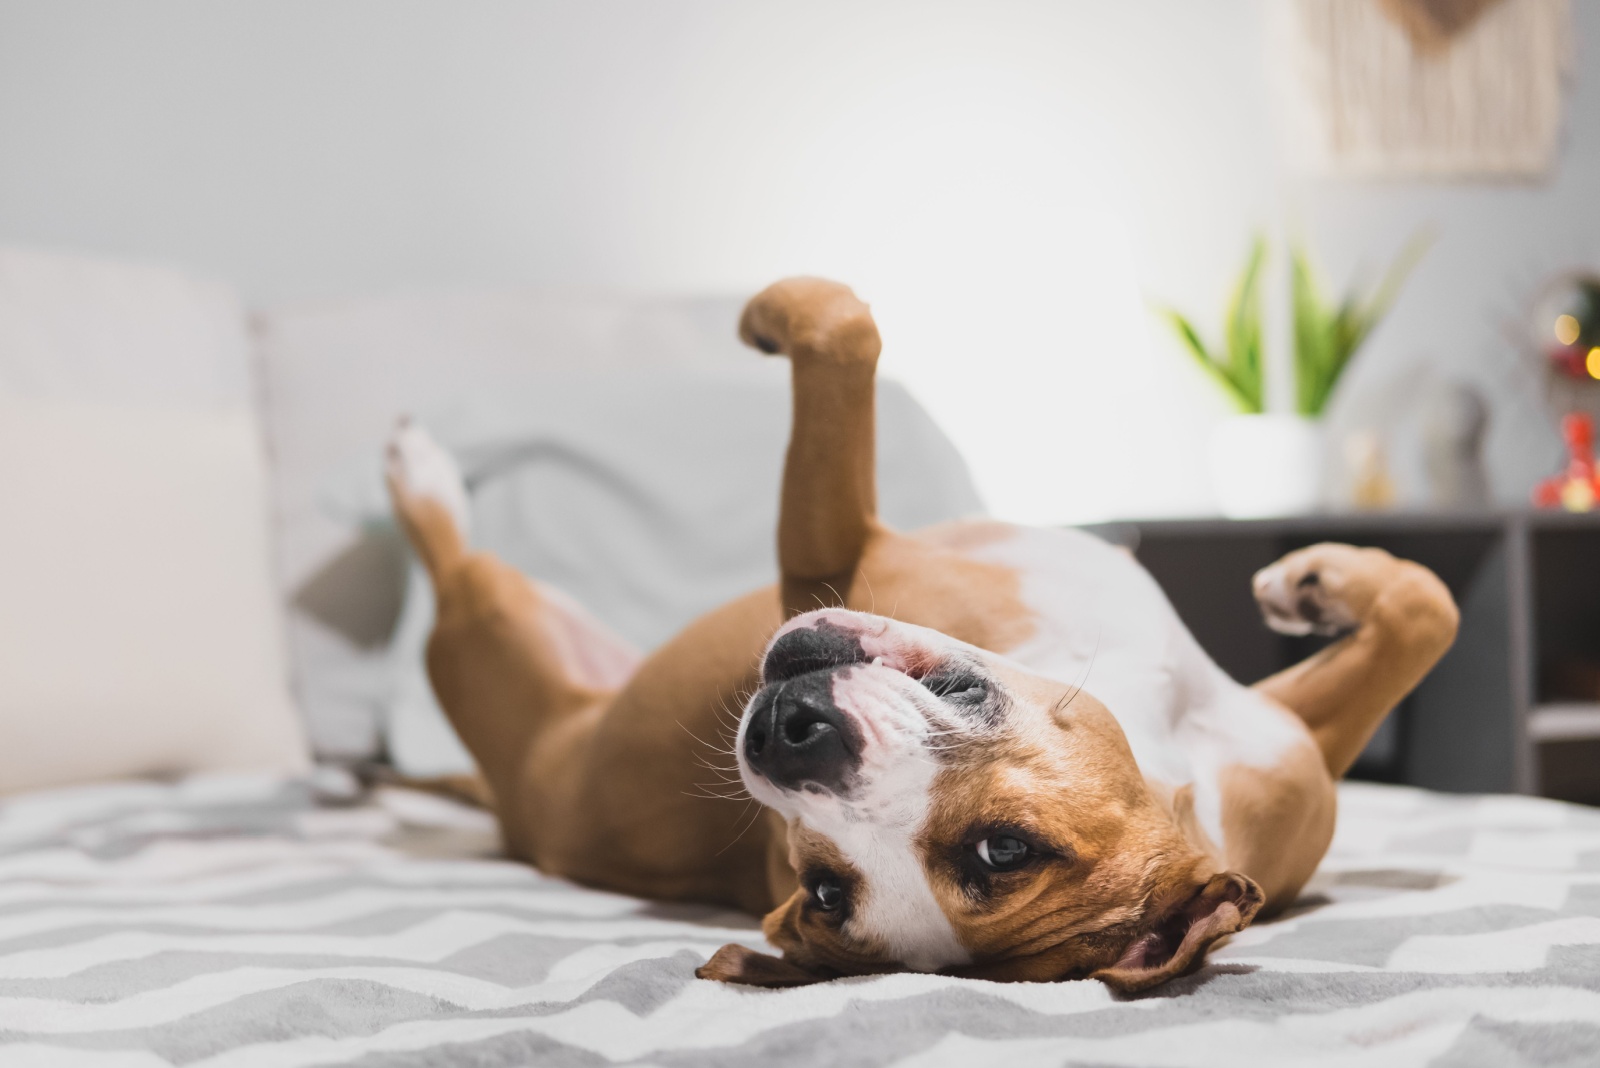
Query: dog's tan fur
x,y
573,761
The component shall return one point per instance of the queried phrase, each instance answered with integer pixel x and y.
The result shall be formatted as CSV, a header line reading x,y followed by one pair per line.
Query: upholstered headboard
x,y
687,402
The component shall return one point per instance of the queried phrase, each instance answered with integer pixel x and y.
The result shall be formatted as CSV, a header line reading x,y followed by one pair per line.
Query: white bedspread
x,y
234,922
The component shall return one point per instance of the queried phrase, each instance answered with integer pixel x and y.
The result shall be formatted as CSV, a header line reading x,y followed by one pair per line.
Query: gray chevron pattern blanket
x,y
235,923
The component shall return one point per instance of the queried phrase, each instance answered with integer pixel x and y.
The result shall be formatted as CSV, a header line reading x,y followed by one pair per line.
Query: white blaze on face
x,y
877,828
878,836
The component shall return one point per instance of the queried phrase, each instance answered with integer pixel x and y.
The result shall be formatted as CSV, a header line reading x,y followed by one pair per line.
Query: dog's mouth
x,y
802,650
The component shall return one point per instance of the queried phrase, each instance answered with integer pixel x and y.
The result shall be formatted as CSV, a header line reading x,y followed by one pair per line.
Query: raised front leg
x,y
1398,620
829,503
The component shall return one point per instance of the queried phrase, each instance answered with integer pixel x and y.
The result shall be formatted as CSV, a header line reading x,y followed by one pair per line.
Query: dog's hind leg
x,y
510,660
828,507
1397,619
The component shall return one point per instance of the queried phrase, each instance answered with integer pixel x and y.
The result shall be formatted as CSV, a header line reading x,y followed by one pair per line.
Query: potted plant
x,y
1270,463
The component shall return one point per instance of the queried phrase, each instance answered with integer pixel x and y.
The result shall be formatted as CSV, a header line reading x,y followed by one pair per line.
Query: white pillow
x,y
138,629
335,374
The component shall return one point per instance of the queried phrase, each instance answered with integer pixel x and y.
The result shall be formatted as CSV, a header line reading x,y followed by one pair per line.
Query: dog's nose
x,y
797,735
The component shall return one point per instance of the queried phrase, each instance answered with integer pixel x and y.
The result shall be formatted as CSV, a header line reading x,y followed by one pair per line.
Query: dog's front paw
x,y
1324,589
811,318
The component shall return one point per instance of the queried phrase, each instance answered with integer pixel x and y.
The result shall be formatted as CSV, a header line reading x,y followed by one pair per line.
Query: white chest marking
x,y
1103,623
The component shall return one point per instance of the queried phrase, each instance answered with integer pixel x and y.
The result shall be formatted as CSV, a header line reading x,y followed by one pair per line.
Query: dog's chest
x,y
1101,622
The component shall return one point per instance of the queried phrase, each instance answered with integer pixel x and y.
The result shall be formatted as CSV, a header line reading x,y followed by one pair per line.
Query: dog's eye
x,y
958,689
1002,852
827,894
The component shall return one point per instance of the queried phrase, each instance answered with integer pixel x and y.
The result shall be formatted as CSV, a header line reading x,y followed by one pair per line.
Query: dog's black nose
x,y
797,735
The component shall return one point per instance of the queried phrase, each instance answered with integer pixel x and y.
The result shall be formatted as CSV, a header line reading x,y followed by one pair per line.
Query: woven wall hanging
x,y
1446,88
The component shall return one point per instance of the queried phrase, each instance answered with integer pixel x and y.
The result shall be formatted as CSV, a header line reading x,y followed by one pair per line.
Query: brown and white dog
x,y
1025,769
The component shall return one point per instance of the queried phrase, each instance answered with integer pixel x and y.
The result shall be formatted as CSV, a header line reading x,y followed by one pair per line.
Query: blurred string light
x,y
1567,311
1570,305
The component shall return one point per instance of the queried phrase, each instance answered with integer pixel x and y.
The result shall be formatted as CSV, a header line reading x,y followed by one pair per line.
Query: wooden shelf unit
x,y
1489,716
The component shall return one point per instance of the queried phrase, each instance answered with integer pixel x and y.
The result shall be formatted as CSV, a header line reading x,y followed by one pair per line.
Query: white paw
x,y
1300,595
420,467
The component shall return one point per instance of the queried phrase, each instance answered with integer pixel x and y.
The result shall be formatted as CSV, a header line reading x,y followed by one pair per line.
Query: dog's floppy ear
x,y
740,964
734,963
1177,941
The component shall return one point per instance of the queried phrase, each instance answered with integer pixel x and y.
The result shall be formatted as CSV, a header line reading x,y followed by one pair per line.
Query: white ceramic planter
x,y
1266,465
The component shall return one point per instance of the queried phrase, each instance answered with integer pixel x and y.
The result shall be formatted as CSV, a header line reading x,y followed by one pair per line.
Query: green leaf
x,y
1311,330
1394,278
1327,338
1238,369
1208,363
1243,327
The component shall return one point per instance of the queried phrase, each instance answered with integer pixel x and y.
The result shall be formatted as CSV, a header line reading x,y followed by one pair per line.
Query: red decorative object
x,y
1577,362
1577,488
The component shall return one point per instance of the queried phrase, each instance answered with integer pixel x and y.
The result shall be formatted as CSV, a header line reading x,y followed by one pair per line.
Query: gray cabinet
x,y
1515,704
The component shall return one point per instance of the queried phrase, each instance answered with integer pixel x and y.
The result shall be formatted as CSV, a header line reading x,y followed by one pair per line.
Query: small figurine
x,y
1371,488
1454,426
1577,488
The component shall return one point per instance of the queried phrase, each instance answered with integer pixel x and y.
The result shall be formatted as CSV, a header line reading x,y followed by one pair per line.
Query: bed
x,y
227,920
233,921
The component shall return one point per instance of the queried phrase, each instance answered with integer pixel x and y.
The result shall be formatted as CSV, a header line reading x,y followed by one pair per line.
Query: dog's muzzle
x,y
794,732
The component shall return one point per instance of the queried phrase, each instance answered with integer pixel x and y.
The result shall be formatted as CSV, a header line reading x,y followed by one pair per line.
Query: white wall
x,y
1009,183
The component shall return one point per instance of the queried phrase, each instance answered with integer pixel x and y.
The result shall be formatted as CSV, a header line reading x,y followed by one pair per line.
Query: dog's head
x,y
948,811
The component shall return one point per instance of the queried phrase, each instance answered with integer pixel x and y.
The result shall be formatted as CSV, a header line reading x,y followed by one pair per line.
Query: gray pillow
x,y
651,497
